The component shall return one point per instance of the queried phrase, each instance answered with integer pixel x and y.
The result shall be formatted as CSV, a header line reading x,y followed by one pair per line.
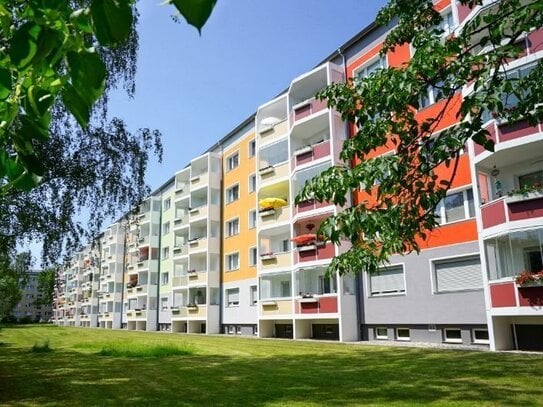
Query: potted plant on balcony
x,y
526,192
527,279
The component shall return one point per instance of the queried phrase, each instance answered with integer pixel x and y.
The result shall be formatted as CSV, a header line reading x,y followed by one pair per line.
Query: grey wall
x,y
420,305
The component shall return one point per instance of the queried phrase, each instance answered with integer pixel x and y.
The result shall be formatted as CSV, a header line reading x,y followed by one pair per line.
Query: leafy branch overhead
x,y
463,75
52,51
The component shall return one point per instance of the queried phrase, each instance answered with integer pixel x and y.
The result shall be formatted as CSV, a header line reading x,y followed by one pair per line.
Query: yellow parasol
x,y
272,203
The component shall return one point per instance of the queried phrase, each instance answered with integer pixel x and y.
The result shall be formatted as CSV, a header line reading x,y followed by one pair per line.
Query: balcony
x,y
314,252
270,261
273,130
180,250
317,305
136,314
273,172
306,108
181,221
196,311
199,180
310,153
275,307
510,299
180,281
508,136
197,277
505,210
179,312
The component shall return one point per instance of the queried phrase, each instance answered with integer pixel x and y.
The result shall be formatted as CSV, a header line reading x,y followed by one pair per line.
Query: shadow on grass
x,y
366,375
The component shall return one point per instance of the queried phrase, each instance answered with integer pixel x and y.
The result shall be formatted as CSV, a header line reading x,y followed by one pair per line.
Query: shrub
x,y
41,347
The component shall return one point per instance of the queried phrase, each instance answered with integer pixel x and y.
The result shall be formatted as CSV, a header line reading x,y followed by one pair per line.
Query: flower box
x,y
303,150
526,196
266,170
267,256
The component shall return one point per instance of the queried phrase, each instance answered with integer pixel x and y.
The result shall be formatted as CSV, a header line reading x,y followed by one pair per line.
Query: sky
x,y
196,89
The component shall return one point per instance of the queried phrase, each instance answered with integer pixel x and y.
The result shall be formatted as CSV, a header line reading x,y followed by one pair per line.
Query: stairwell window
x,y
252,183
252,148
253,259
252,219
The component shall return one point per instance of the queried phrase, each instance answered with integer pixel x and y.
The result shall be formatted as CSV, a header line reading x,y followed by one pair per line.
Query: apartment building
x,y
28,309
222,248
239,250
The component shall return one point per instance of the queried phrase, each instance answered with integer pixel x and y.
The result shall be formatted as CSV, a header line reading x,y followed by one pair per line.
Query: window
x,y
252,257
238,330
167,204
327,285
164,303
301,177
285,288
403,334
252,219
232,162
165,278
480,336
275,286
389,280
166,228
252,183
232,227
232,261
232,297
231,329
452,335
530,180
371,67
285,245
434,94
447,24
381,333
165,253
252,148
253,295
232,194
456,206
273,154
458,274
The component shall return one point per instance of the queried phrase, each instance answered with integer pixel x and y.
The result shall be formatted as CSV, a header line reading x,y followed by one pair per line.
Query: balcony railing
x,y
500,133
508,298
275,260
317,251
308,154
306,109
317,305
511,209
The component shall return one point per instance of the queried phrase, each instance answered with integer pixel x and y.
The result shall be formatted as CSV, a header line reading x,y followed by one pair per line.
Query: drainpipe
x,y
221,249
159,260
357,280
125,225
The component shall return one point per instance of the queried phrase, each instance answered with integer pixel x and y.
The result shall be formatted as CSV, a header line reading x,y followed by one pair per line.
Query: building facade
x,y
222,248
29,309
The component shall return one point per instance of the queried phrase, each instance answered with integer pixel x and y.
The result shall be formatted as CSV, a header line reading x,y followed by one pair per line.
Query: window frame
x,y
446,339
251,263
229,226
227,192
252,184
232,161
441,210
227,261
402,338
480,341
377,335
251,148
357,72
395,293
227,302
167,204
165,253
453,259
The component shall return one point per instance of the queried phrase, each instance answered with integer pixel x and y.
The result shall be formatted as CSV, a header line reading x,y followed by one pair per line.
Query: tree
x,y
397,214
46,286
13,277
59,151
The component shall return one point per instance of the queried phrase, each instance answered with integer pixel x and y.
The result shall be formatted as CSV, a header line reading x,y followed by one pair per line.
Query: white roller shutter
x,y
388,281
458,275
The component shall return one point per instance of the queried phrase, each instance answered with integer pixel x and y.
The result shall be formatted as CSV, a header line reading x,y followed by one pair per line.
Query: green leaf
x,y
24,44
32,164
25,181
40,100
77,106
5,83
35,130
196,12
112,20
88,75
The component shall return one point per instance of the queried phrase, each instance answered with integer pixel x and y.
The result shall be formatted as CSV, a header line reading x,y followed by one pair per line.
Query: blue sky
x,y
195,89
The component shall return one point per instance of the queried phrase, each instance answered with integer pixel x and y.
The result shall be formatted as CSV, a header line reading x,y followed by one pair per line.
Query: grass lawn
x,y
103,367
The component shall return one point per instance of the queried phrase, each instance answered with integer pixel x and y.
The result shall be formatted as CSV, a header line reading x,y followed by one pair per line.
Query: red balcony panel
x,y
305,206
312,107
303,158
530,296
526,209
512,131
535,41
503,295
321,150
322,252
324,305
308,307
328,304
302,111
493,213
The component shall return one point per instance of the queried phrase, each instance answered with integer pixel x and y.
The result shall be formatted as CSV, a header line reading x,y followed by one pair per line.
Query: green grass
x,y
242,371
41,347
